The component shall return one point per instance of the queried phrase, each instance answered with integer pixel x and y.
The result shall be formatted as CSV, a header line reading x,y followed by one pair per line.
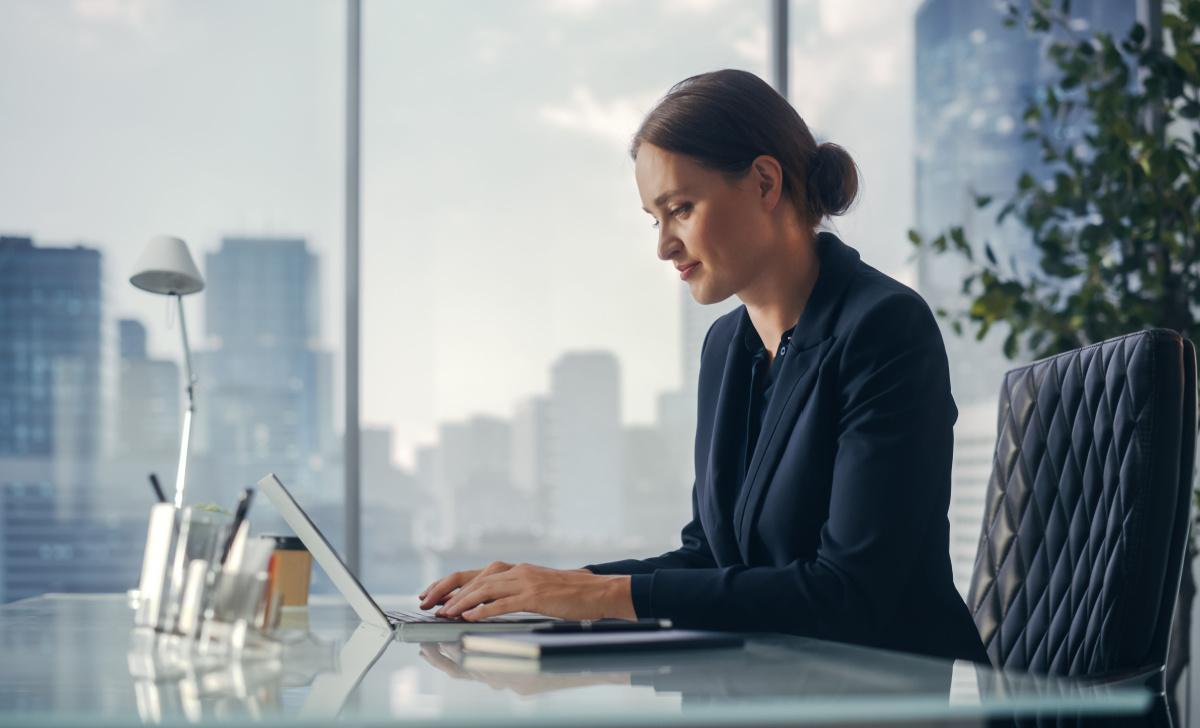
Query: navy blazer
x,y
839,530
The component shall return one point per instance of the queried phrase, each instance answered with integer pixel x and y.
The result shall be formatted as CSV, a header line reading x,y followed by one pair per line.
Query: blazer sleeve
x,y
890,481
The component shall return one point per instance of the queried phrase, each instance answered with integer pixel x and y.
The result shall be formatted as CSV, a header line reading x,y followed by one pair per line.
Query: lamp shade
x,y
166,267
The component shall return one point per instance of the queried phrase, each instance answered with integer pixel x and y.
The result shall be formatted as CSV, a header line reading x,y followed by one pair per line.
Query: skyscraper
x,y
49,350
261,407
974,77
51,538
148,397
530,457
585,448
472,484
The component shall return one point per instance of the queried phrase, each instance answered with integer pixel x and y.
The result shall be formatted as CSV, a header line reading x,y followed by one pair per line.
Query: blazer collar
x,y
838,265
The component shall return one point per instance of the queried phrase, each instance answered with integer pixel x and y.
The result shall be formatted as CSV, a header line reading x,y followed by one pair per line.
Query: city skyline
x,y
263,407
525,231
500,262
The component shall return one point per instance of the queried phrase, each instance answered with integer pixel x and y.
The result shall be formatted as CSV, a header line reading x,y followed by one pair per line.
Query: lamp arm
x,y
181,473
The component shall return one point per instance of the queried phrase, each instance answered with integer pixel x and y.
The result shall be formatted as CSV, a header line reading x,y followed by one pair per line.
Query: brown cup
x,y
291,570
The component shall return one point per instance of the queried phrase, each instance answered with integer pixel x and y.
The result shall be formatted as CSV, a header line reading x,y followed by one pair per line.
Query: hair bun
x,y
832,180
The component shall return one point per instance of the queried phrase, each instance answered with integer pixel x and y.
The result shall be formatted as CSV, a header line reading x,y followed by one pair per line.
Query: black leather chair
x,y
1087,511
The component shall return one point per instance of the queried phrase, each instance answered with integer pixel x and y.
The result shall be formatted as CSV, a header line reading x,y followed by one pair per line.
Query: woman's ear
x,y
768,175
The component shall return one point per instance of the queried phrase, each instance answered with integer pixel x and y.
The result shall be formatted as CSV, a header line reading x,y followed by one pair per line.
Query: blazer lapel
x,y
810,342
724,452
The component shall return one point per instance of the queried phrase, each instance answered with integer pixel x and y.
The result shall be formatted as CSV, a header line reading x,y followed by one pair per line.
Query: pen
x,y
605,625
238,516
158,491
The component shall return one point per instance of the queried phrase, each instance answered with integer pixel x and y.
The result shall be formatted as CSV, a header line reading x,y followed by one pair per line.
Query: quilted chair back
x,y
1086,517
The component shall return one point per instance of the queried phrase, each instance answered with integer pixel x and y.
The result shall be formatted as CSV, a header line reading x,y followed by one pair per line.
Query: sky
x,y
501,225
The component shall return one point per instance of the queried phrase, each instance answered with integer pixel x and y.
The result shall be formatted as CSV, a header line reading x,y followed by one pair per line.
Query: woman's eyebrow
x,y
658,201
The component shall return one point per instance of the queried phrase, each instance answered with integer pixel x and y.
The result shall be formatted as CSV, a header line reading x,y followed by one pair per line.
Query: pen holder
x,y
201,540
156,559
240,610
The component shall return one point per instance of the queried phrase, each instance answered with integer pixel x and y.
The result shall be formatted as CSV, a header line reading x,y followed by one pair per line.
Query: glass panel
x,y
530,358
973,79
220,123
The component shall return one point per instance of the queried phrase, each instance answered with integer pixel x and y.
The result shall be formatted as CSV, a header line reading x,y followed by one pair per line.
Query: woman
x,y
824,434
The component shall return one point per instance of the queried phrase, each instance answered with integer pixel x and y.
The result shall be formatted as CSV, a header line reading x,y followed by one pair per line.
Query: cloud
x,y
587,8
691,7
491,43
753,47
614,121
574,8
132,14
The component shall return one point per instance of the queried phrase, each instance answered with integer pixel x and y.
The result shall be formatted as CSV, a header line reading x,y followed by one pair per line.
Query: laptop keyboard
x,y
398,615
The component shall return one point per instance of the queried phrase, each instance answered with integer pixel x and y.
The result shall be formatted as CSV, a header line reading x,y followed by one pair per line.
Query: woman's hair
x,y
725,119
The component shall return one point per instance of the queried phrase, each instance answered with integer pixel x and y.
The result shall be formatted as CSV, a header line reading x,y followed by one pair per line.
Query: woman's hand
x,y
502,588
438,591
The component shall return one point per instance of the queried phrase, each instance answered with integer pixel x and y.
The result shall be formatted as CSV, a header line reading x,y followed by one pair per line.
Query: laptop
x,y
408,626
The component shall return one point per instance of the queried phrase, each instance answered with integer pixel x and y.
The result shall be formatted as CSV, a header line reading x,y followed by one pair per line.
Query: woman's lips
x,y
685,272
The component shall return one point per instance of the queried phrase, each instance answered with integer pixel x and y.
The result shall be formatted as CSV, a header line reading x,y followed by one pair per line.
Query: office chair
x,y
1087,511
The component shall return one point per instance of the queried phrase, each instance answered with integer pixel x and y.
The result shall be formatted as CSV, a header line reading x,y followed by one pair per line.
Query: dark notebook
x,y
535,644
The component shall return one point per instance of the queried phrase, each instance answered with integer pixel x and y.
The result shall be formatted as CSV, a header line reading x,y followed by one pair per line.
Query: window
x,y
220,123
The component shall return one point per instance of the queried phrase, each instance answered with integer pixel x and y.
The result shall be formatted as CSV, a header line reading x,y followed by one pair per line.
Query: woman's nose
x,y
666,244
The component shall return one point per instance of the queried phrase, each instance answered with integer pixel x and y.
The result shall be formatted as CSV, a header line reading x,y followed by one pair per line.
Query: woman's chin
x,y
703,295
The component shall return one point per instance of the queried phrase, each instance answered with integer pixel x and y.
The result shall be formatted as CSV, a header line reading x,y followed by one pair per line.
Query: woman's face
x,y
722,230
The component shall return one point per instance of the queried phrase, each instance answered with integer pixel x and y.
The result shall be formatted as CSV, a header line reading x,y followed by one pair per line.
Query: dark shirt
x,y
762,380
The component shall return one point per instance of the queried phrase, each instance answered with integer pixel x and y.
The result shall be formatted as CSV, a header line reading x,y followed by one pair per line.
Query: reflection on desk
x,y
67,661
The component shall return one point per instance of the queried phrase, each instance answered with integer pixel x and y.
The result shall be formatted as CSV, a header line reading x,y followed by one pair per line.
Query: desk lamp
x,y
166,267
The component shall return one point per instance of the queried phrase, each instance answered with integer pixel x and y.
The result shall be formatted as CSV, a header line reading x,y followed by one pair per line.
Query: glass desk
x,y
75,660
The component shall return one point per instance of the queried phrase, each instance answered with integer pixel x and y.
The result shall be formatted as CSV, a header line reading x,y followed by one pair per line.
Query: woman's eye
x,y
672,213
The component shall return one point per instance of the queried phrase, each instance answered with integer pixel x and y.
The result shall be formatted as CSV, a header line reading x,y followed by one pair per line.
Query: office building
x,y
389,503
265,405
61,528
149,415
50,347
472,487
531,457
585,458
655,507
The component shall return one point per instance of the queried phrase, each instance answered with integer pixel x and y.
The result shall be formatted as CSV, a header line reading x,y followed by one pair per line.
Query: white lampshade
x,y
167,267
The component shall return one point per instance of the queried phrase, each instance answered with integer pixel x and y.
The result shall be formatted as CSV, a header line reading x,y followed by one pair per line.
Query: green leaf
x,y
1010,345
1186,61
1138,33
960,242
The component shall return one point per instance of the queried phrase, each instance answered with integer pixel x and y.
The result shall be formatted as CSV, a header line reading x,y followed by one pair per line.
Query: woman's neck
x,y
777,297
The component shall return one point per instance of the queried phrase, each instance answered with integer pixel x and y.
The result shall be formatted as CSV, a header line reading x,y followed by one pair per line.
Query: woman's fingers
x,y
478,595
474,593
438,590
